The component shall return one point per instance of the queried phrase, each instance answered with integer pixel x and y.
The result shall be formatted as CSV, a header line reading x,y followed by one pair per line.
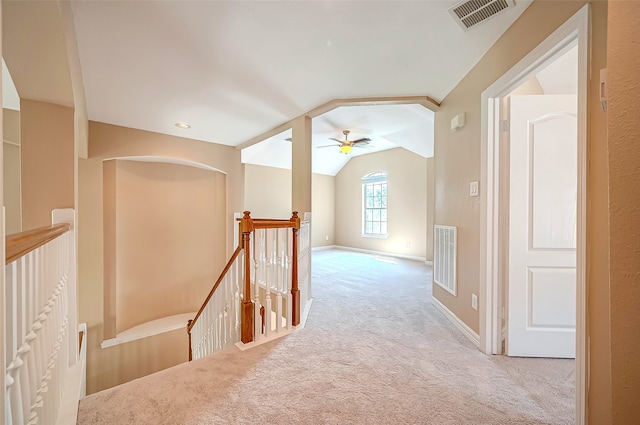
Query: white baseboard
x,y
322,248
428,263
386,254
466,330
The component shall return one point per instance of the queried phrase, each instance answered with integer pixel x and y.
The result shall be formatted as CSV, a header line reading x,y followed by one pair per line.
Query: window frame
x,y
374,178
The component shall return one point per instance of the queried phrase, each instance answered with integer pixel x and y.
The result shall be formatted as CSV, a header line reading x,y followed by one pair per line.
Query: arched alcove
x,y
164,242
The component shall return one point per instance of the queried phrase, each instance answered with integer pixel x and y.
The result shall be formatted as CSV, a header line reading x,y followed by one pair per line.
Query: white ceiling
x,y
388,127
236,69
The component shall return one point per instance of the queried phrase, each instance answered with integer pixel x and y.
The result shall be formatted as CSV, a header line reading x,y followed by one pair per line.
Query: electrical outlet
x,y
326,238
408,244
474,301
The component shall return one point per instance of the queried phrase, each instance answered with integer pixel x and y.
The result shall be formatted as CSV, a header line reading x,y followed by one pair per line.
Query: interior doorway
x,y
494,207
539,250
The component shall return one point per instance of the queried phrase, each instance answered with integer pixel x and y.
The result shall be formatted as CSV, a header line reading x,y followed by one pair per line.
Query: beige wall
x,y
115,365
323,199
11,171
624,201
170,239
431,187
268,195
267,191
457,162
301,164
406,203
48,152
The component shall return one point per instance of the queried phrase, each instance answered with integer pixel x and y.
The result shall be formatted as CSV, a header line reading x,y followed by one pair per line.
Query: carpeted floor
x,y
374,351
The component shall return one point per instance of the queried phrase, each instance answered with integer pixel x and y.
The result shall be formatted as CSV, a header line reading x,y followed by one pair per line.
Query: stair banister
x,y
295,291
246,227
44,370
192,322
214,314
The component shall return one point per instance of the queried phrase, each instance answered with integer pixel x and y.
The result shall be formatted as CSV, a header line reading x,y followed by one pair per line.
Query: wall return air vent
x,y
445,253
469,13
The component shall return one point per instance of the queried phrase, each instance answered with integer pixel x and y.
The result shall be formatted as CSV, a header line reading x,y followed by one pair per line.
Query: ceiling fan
x,y
347,145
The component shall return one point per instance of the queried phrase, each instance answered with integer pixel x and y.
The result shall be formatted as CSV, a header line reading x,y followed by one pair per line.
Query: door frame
x,y
492,209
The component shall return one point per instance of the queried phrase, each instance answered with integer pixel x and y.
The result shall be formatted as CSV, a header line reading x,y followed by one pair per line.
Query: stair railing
x,y
304,260
44,371
257,294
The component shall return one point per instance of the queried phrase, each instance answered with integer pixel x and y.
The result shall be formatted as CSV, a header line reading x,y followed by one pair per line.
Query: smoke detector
x,y
469,13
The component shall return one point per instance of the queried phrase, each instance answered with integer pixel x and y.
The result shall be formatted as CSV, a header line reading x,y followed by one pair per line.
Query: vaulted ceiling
x,y
234,70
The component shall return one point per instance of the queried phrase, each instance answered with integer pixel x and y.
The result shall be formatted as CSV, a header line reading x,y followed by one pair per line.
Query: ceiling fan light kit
x,y
345,149
346,145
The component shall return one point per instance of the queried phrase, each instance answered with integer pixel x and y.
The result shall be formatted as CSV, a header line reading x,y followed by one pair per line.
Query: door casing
x,y
492,220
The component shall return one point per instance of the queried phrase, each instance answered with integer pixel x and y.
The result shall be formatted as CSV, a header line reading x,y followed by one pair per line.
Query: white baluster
x,y
15,393
290,254
25,395
8,380
30,366
263,270
281,273
270,278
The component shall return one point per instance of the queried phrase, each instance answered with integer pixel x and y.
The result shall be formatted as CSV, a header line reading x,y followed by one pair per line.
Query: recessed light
x,y
182,125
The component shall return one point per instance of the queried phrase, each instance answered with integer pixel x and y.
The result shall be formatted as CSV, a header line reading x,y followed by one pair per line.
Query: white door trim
x,y
492,216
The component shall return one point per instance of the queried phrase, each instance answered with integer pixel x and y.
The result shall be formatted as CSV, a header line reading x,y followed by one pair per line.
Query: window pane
x,y
374,191
368,191
376,228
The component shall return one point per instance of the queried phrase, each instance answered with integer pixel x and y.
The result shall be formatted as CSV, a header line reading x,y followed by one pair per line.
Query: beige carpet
x,y
374,351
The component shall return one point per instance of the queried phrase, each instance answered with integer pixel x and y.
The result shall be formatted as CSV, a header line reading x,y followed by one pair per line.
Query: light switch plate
x,y
473,189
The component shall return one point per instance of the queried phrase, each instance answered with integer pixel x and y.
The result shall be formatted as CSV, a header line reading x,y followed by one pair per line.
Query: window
x,y
374,204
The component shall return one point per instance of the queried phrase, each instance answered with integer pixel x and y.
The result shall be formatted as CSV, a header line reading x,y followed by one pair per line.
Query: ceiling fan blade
x,y
328,146
333,138
364,146
364,140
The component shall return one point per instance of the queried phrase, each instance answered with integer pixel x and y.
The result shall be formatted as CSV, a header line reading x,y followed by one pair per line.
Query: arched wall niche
x,y
164,240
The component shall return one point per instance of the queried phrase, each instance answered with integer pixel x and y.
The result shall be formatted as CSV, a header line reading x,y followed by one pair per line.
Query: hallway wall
x,y
457,163
114,365
407,202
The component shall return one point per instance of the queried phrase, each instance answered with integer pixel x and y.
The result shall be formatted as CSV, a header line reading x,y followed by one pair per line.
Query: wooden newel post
x,y
246,226
189,333
295,292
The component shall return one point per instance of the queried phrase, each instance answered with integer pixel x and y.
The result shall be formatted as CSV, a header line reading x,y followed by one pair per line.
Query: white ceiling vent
x,y
469,13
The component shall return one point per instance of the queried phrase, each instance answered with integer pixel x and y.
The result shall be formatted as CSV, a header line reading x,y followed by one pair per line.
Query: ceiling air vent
x,y
470,13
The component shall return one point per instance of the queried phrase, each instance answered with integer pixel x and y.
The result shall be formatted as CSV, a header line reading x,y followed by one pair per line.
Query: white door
x,y
542,226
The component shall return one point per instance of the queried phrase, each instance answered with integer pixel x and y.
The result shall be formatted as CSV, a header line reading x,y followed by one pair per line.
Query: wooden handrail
x,y
222,275
20,244
270,223
247,225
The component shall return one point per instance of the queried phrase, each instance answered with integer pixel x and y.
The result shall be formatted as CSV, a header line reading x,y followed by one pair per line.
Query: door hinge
x,y
505,219
504,124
